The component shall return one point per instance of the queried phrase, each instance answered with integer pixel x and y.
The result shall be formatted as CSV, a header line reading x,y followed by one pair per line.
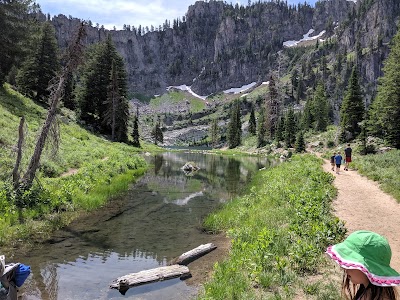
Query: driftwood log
x,y
158,274
177,268
193,254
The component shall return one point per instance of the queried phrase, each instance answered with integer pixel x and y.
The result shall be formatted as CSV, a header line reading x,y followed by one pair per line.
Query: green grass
x,y
178,97
383,168
279,230
103,170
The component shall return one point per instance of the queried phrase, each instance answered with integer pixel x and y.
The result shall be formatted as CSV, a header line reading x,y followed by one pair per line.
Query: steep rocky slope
x,y
217,45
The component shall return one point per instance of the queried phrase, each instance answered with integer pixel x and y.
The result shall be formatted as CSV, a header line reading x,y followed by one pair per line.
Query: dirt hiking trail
x,y
362,205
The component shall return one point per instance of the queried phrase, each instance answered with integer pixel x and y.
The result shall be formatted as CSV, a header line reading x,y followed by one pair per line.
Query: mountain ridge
x,y
216,47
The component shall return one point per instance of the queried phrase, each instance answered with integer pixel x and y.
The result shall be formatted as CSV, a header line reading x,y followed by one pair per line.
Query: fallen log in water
x,y
158,274
194,254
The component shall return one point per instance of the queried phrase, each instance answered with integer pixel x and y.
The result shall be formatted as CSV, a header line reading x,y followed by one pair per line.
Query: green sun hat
x,y
368,252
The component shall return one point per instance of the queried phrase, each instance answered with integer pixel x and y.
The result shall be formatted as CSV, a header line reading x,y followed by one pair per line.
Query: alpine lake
x,y
156,220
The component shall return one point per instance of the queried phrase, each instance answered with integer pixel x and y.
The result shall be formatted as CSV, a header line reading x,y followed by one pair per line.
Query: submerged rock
x,y
190,166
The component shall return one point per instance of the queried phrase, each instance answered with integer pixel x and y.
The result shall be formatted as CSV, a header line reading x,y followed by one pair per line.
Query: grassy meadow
x,y
86,171
383,168
279,230
178,97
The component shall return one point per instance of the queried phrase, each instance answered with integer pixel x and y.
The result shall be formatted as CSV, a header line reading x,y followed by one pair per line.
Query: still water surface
x,y
156,220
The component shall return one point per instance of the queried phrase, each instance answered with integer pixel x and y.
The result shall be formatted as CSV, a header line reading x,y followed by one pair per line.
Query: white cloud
x,y
131,12
118,12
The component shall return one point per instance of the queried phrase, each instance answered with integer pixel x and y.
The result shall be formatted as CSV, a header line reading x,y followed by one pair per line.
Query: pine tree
x,y
16,27
41,65
95,108
385,110
235,126
320,109
116,111
280,129
69,99
294,80
261,129
272,109
307,117
238,124
352,109
252,122
160,135
135,132
214,132
300,144
300,89
157,133
290,128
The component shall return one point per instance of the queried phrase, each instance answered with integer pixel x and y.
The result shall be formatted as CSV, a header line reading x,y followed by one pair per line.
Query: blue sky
x,y
118,12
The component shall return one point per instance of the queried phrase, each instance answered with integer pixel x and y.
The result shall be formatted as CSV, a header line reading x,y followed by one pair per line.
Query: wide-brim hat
x,y
368,252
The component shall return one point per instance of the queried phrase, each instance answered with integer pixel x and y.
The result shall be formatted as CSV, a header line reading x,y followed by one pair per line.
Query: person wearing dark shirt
x,y
333,161
347,153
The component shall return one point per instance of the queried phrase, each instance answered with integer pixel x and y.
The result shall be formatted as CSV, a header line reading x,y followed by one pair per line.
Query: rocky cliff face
x,y
368,30
217,46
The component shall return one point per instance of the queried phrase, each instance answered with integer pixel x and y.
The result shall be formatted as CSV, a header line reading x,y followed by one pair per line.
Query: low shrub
x,y
330,144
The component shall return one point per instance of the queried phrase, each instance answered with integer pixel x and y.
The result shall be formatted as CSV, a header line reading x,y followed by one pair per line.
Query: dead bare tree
x,y
73,58
16,173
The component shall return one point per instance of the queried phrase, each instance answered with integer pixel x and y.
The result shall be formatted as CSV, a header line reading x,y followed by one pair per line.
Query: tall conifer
x,y
290,128
115,114
157,133
214,132
261,130
300,144
41,65
352,109
280,129
95,109
252,122
320,108
16,27
307,117
385,110
272,109
235,126
135,132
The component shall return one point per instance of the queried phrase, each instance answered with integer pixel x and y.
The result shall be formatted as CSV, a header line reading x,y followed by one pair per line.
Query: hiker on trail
x,y
333,161
338,161
347,154
365,257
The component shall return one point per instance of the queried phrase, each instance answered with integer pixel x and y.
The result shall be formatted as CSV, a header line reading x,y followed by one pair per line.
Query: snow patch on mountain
x,y
306,37
234,91
240,89
184,87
